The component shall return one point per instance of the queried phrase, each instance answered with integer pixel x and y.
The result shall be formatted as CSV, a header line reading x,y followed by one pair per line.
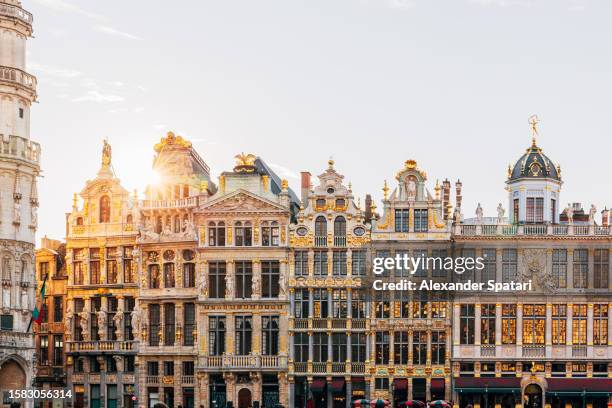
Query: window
x,y
535,209
20,113
419,347
339,354
401,220
384,254
534,324
487,324
216,335
44,269
401,345
340,231
79,305
105,209
110,321
438,310
358,263
600,325
320,299
420,220
420,306
244,233
300,263
320,231
129,304
320,263
111,265
216,280
152,368
358,304
579,325
382,347
381,383
95,395
168,367
44,350
129,272
216,233
339,304
509,265
320,204
358,347
168,275
244,279
190,324
339,263
319,342
94,266
383,304
581,268
58,315
559,267
401,305
559,322
169,324
509,324
154,324
270,233
490,265
466,324
188,368
421,270
78,273
58,350
300,347
438,265
602,268
189,275
96,305
438,347
301,303
270,275
270,329
154,275
244,334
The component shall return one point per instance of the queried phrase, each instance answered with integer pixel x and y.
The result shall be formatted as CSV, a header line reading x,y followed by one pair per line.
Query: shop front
x,y
579,392
488,392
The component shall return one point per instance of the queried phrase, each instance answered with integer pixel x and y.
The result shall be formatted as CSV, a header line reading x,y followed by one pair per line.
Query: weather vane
x,y
533,121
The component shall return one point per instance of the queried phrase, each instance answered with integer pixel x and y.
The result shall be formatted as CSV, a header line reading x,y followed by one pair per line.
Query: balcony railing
x,y
534,351
17,76
339,240
8,10
153,379
533,230
300,323
320,241
300,367
102,345
231,362
579,351
188,379
324,367
487,350
169,204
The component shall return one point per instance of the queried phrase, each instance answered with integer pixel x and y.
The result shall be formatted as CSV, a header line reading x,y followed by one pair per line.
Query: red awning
x,y
317,385
400,384
579,384
437,384
487,382
337,384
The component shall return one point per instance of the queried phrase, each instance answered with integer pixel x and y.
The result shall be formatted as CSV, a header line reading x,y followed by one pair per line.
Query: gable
x,y
241,201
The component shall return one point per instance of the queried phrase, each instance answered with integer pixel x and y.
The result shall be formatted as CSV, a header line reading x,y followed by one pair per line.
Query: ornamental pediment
x,y
241,201
99,187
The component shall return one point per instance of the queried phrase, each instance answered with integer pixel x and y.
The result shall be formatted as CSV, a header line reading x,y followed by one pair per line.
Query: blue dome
x,y
535,165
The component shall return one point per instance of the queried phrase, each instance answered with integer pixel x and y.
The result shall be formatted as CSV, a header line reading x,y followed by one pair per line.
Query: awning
x,y
317,385
400,384
437,385
337,385
579,386
488,384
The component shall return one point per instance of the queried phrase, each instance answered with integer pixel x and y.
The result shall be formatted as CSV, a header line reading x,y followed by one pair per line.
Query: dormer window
x,y
330,190
340,202
244,233
270,233
535,209
320,203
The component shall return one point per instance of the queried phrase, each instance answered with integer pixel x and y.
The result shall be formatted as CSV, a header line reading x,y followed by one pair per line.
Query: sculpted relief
x,y
534,267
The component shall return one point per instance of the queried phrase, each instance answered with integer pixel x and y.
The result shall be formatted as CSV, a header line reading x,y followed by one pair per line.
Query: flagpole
x,y
42,307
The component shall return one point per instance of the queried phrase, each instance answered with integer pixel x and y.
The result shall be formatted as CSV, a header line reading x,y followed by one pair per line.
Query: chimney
x,y
458,195
604,217
368,208
305,187
446,186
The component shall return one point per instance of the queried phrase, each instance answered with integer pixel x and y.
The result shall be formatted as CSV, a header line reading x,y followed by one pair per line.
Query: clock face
x,y
359,231
301,231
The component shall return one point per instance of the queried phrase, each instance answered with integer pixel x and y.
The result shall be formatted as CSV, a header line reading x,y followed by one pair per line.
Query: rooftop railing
x,y
169,204
17,76
9,10
532,230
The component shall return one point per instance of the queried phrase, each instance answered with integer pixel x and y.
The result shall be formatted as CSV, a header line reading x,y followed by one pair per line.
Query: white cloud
x,y
95,96
113,31
61,5
54,71
284,172
401,4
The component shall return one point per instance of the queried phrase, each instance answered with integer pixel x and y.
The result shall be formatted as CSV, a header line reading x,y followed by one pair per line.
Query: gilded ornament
x,y
171,140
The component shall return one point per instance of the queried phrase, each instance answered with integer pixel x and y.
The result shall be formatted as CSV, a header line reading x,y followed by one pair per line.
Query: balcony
x,y
8,10
320,241
579,351
18,77
534,351
188,202
249,362
339,240
329,368
102,345
538,230
487,351
20,148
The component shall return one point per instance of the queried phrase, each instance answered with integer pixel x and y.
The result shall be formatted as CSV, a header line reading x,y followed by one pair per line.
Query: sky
x,y
370,83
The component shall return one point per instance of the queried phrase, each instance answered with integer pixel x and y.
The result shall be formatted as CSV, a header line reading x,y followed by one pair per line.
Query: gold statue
x,y
245,159
106,153
533,121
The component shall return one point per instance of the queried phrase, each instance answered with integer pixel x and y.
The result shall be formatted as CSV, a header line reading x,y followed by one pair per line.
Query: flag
x,y
37,315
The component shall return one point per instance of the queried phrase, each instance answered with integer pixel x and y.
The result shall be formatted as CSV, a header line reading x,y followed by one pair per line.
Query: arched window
x,y
216,233
79,221
339,227
244,233
320,231
270,233
185,191
129,219
105,209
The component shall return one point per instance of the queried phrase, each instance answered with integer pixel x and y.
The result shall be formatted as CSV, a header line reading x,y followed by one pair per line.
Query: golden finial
x,y
284,184
558,170
350,186
509,171
437,189
245,159
534,369
533,121
410,164
359,203
385,190
74,200
203,185
330,162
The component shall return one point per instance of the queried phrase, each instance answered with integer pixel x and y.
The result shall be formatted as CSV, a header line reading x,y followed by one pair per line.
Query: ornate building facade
x,y
243,303
19,169
102,290
410,330
328,326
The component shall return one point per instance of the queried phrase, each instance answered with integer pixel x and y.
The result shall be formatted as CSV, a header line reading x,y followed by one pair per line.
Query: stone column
x,y
477,324
230,289
291,396
349,303
257,337
330,303
310,347
349,391
285,343
519,324
590,324
456,323
548,334
284,388
230,333
310,304
120,309
568,325
179,324
498,324
330,395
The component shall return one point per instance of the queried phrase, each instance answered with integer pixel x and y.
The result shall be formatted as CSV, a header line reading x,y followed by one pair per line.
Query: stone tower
x,y
19,169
